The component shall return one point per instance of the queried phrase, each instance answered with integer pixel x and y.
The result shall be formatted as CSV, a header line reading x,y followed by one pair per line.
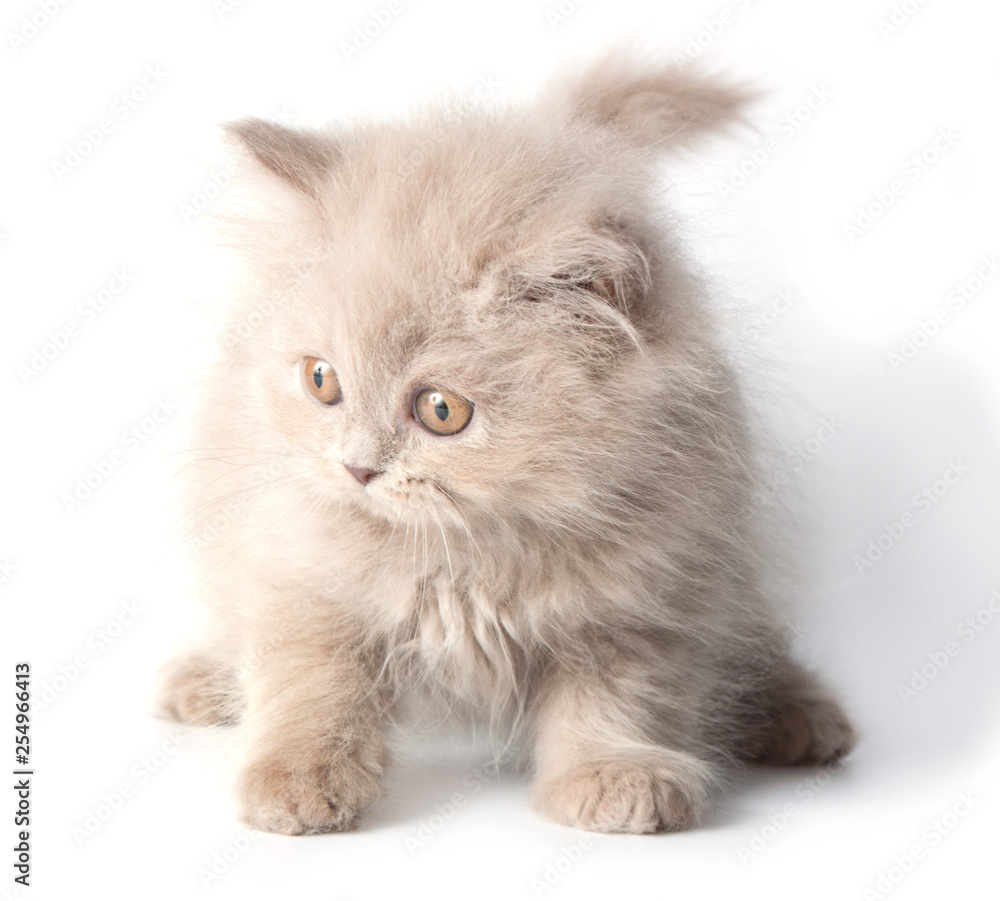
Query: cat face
x,y
424,399
464,326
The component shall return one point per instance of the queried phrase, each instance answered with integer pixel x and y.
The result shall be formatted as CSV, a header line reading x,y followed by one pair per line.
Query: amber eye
x,y
441,412
321,381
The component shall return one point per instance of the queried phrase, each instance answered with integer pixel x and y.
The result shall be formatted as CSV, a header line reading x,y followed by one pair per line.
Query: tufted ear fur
x,y
300,158
605,262
653,105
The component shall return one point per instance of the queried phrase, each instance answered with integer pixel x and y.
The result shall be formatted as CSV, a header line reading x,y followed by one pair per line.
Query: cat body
x,y
480,441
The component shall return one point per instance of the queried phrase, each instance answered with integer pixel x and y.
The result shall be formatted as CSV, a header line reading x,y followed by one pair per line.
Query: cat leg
x,y
802,724
597,769
199,689
313,741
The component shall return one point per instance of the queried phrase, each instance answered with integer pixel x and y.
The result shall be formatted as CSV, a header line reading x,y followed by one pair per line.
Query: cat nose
x,y
360,473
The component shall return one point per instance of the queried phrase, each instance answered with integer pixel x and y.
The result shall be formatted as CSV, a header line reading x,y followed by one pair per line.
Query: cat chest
x,y
465,639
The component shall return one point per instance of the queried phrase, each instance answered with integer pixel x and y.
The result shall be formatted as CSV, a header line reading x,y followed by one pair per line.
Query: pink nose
x,y
360,473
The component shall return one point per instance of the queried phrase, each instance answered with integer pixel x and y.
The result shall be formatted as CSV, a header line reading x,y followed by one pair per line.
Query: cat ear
x,y
300,158
606,264
656,106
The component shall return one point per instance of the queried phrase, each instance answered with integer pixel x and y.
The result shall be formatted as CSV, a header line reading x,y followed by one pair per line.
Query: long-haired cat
x,y
477,436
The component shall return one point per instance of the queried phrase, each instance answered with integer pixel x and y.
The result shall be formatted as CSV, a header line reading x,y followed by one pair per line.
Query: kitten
x,y
476,434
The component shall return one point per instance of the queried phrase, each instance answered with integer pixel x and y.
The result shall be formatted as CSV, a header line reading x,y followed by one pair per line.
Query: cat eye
x,y
321,381
441,412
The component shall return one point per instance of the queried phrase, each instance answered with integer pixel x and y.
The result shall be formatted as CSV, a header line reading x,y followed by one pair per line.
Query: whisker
x,y
251,493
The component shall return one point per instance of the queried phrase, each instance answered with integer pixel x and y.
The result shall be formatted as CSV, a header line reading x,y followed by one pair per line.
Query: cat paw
x,y
306,798
808,731
622,797
198,690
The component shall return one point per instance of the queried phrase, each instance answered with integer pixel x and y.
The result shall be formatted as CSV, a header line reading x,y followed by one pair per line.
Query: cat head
x,y
466,316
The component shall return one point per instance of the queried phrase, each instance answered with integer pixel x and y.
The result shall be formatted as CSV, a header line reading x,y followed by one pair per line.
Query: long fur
x,y
583,564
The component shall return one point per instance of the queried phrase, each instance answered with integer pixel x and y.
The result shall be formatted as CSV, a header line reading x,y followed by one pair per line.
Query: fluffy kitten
x,y
474,433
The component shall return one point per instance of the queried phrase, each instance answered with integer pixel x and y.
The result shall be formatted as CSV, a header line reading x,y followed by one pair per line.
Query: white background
x,y
894,432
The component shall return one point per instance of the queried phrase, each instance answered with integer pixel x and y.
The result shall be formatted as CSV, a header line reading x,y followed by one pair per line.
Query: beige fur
x,y
581,564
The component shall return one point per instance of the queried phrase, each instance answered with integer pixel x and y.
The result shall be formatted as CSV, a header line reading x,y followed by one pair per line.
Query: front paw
x,y
306,797
625,796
